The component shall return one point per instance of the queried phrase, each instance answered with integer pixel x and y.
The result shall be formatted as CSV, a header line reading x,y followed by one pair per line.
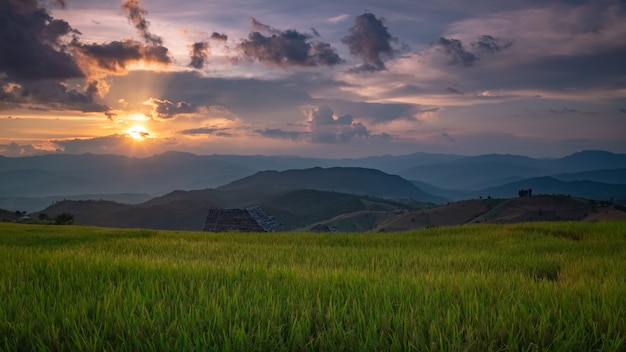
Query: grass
x,y
523,287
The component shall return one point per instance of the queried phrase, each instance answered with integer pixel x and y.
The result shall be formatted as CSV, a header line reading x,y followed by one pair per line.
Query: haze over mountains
x,y
32,183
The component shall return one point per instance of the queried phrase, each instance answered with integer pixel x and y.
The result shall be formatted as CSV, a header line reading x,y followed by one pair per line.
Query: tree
x,y
43,216
64,219
525,192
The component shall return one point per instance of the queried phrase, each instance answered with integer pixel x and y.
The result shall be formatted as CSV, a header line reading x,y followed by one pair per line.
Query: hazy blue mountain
x,y
61,175
550,185
591,160
615,176
478,172
451,194
471,175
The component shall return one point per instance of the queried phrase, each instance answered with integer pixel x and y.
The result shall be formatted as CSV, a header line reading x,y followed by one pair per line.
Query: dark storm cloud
x,y
199,53
116,55
370,41
454,52
58,96
32,43
166,109
286,48
36,60
622,110
136,16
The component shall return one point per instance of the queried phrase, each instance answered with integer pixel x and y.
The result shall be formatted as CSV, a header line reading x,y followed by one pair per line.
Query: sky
x,y
322,78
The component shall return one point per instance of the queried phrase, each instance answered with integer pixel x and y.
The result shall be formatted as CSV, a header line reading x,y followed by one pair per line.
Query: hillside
x,y
187,210
7,216
498,211
351,180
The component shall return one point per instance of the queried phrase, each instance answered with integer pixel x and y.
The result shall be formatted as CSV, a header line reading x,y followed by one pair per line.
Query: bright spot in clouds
x,y
138,132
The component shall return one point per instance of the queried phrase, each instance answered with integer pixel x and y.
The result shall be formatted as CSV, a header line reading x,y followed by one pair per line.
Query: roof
x,y
253,219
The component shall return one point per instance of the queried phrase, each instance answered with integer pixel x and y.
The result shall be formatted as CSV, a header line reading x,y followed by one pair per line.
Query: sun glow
x,y
138,132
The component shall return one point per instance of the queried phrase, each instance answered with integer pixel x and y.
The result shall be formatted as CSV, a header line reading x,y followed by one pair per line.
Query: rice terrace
x,y
556,286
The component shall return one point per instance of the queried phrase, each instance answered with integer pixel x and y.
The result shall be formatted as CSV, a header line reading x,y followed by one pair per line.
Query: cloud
x,y
13,149
338,18
199,53
286,48
571,111
34,44
550,33
455,53
136,16
622,110
448,138
214,131
47,61
112,144
115,56
487,44
564,111
165,109
36,61
219,36
278,133
453,90
370,41
326,127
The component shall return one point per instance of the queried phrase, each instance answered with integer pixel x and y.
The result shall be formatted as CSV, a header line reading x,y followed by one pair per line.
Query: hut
x,y
253,219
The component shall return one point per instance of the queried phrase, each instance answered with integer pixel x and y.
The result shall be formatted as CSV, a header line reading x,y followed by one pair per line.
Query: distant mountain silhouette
x,y
478,172
550,185
351,180
28,182
614,176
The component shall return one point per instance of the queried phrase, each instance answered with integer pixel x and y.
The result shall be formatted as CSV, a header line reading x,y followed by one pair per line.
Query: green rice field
x,y
521,287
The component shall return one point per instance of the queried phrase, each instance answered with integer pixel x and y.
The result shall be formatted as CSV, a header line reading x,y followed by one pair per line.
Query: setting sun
x,y
138,132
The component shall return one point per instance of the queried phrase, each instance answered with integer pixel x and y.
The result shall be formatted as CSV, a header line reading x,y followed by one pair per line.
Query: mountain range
x,y
32,183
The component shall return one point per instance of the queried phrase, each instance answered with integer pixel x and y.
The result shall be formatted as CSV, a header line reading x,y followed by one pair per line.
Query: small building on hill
x,y
253,219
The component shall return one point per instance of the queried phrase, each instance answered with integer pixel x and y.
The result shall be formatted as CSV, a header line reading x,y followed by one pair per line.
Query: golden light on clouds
x,y
138,133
